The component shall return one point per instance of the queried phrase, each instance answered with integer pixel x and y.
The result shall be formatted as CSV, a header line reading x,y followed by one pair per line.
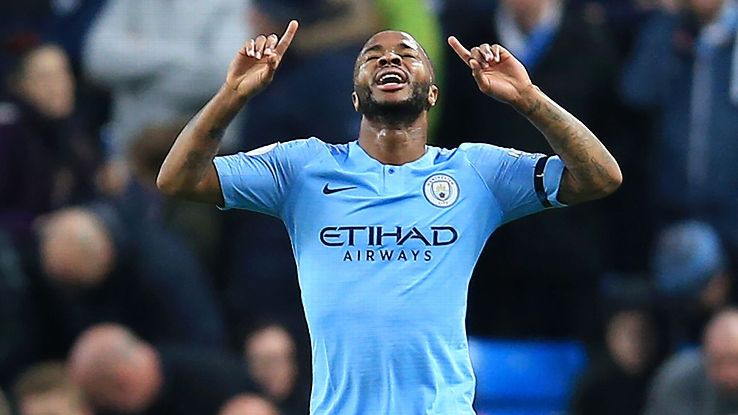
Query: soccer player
x,y
386,229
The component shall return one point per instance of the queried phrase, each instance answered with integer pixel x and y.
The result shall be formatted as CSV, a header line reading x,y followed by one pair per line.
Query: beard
x,y
394,114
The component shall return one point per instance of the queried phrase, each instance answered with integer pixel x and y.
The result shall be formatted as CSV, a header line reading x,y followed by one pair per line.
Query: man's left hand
x,y
497,72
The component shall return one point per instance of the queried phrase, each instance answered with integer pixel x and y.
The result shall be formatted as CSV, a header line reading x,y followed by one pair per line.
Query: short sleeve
x,y
259,180
522,183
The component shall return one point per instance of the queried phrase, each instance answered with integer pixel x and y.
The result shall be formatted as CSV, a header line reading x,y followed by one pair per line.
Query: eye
x,y
371,58
410,56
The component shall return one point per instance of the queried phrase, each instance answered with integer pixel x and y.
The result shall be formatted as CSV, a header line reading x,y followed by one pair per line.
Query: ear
x,y
355,101
433,94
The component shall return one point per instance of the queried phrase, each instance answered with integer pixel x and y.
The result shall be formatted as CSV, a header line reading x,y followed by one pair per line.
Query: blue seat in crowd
x,y
525,377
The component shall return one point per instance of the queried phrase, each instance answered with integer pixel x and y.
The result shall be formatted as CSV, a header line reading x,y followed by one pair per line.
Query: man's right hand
x,y
188,171
255,63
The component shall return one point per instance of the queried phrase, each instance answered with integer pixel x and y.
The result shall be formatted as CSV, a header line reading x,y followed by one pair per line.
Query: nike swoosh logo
x,y
328,191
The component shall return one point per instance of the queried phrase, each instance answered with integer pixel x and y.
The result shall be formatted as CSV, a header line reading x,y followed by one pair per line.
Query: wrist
x,y
231,96
528,100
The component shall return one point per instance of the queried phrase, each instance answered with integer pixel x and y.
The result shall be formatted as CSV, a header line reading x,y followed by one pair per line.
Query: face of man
x,y
53,402
722,365
393,80
523,7
706,10
721,352
630,341
270,354
47,82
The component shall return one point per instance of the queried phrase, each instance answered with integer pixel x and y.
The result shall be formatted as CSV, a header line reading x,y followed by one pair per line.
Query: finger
x,y
460,50
476,54
501,54
487,53
287,37
259,48
250,48
476,68
271,44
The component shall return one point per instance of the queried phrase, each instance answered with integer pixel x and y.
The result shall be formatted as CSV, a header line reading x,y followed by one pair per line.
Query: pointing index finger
x,y
460,50
287,37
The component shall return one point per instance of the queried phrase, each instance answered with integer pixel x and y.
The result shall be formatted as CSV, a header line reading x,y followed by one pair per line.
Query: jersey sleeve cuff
x,y
552,174
225,173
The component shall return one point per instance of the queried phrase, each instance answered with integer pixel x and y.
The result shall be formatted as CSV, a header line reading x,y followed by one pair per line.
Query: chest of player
x,y
392,206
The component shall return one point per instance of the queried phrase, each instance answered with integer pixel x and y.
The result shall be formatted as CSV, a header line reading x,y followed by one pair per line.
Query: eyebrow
x,y
378,47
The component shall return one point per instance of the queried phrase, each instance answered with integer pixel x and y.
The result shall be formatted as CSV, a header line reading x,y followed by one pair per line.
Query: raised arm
x,y
188,171
591,171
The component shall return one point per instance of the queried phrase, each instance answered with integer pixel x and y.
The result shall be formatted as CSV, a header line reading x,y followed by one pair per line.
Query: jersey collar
x,y
360,156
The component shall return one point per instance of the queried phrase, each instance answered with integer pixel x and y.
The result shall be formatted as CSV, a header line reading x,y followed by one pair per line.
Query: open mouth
x,y
391,80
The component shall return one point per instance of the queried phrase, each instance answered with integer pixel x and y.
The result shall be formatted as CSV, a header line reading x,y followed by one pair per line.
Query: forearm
x,y
187,170
591,171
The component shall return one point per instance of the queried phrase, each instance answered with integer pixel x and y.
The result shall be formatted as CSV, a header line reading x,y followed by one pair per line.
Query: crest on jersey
x,y
441,190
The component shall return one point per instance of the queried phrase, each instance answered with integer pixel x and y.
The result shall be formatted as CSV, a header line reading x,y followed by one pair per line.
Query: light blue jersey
x,y
384,256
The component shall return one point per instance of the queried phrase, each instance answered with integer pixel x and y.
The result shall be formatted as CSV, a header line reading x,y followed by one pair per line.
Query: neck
x,y
394,145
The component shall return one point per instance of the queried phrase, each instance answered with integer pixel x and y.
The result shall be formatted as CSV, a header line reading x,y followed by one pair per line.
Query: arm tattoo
x,y
216,133
196,159
585,157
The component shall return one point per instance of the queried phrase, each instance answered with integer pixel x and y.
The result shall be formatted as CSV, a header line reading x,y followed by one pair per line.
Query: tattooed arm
x,y
188,171
591,171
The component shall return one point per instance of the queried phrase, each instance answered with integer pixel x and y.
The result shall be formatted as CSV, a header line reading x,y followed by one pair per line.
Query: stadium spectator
x,y
122,373
93,267
616,382
692,278
557,46
705,381
198,225
623,17
693,168
60,21
246,405
46,159
271,356
45,389
160,59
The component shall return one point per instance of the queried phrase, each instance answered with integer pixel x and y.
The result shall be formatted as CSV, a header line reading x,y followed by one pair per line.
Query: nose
x,y
390,58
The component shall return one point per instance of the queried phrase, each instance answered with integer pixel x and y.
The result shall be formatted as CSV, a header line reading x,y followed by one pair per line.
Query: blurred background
x,y
115,299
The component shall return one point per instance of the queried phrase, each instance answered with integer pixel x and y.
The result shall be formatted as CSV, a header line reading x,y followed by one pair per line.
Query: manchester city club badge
x,y
441,190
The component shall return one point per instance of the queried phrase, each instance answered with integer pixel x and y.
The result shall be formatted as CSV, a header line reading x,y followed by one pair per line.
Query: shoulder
x,y
14,130
314,149
10,113
300,148
11,116
478,147
681,370
486,153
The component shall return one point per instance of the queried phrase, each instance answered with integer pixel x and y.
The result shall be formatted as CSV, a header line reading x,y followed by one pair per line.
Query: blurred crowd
x,y
115,299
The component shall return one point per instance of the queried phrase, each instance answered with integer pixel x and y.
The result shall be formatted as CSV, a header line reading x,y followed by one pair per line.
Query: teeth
x,y
390,77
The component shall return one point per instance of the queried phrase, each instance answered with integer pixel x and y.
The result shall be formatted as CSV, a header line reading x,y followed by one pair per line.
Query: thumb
x,y
273,61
